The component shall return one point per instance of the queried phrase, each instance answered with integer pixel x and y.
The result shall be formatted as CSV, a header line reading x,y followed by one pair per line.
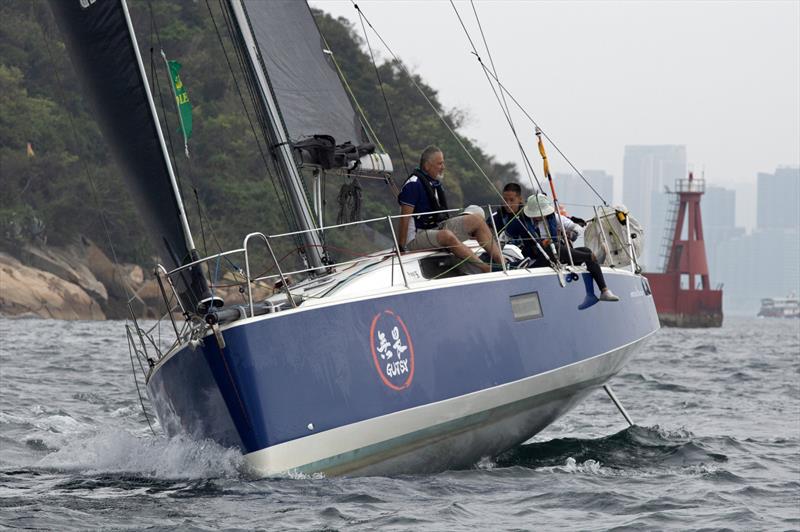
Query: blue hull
x,y
285,377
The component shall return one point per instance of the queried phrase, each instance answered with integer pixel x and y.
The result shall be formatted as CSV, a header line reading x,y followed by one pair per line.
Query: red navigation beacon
x,y
683,293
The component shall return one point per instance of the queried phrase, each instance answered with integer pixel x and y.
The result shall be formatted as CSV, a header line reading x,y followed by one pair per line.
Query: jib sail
x,y
102,45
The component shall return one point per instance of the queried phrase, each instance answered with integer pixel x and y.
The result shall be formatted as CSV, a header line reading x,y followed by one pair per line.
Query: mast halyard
x,y
304,217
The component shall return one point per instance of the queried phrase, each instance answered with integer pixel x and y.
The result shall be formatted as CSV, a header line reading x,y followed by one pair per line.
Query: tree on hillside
x,y
227,185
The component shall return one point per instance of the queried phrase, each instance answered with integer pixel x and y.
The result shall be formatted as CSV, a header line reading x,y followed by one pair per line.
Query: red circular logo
x,y
392,350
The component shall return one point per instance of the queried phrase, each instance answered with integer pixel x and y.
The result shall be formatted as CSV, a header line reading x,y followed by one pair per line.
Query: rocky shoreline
x,y
74,282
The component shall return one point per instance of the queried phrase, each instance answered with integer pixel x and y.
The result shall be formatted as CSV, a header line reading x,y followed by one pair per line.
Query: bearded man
x,y
424,196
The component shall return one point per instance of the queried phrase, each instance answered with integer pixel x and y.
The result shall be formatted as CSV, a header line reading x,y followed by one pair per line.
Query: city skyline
x,y
721,78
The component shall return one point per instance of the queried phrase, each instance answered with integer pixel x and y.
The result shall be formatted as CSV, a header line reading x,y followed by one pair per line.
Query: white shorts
x,y
428,238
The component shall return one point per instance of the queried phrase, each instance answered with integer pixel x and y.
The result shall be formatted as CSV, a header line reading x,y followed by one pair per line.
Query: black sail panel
x,y
310,95
101,48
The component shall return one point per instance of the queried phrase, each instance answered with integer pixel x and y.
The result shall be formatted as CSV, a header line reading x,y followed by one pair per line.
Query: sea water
x,y
716,445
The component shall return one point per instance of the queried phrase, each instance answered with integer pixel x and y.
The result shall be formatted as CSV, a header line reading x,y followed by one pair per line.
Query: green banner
x,y
181,99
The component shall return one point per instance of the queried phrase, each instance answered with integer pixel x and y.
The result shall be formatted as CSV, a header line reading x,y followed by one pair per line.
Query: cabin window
x,y
526,306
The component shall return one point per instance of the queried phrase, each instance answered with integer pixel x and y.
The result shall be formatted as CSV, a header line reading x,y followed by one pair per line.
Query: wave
x,y
633,448
708,348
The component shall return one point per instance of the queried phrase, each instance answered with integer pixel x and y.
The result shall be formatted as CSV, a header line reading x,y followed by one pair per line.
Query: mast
x,y
281,144
184,221
102,44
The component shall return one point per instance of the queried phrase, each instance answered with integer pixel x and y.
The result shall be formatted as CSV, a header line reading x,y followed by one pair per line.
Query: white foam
x,y
113,450
297,475
486,464
590,467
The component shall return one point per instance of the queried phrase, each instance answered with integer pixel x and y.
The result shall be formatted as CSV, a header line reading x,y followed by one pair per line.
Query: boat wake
x,y
633,448
116,451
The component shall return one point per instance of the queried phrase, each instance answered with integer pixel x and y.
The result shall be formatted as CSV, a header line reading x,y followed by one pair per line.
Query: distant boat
x,y
780,307
388,363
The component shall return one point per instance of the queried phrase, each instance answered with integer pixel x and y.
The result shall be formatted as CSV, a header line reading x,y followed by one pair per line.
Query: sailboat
x,y
384,364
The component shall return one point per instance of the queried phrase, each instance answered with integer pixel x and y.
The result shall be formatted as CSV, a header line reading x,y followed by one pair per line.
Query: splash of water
x,y
113,450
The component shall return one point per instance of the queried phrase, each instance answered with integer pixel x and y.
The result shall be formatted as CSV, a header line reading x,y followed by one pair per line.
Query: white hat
x,y
538,206
475,209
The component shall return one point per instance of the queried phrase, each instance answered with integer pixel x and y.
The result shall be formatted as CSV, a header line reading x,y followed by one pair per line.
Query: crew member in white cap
x,y
546,228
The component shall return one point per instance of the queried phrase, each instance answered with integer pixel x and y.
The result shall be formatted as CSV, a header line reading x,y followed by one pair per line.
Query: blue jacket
x,y
425,194
520,228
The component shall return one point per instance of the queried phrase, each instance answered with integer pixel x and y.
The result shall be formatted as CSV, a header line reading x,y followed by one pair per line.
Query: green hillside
x,y
58,176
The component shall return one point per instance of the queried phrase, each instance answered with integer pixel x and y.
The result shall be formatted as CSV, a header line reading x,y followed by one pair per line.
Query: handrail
x,y
284,275
247,268
359,222
279,235
397,251
206,259
497,239
166,299
306,270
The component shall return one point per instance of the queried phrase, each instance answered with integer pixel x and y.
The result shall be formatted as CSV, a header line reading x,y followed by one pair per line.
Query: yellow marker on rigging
x,y
546,166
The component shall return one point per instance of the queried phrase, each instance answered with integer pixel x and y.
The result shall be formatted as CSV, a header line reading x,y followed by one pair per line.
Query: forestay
x,y
103,49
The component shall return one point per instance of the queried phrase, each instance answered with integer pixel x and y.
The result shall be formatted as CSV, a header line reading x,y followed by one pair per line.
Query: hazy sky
x,y
722,78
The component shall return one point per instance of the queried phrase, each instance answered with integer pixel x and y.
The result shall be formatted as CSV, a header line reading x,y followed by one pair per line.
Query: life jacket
x,y
431,221
529,224
505,220
552,226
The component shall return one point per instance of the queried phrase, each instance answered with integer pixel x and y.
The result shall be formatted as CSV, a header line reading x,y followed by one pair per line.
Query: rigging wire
x,y
154,29
499,100
383,93
503,104
154,26
492,75
263,120
283,200
136,381
429,102
200,210
370,131
544,134
488,53
253,101
389,180
98,205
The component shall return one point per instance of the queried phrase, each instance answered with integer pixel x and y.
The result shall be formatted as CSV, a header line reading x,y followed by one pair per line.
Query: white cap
x,y
538,205
475,209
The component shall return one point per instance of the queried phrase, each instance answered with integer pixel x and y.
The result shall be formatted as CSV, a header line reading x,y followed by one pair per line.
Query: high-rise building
x,y
603,182
576,196
646,171
719,207
765,263
719,225
779,199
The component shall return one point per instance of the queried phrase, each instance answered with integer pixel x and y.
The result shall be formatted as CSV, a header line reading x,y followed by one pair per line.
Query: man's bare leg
x,y
447,239
478,229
